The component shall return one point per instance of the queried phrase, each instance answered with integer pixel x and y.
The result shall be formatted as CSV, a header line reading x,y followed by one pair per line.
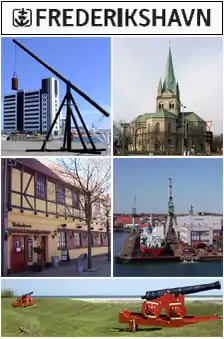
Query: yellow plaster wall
x,y
26,178
40,204
16,180
40,222
51,190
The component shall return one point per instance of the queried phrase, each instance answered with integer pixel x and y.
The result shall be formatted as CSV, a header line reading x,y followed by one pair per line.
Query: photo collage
x,y
112,186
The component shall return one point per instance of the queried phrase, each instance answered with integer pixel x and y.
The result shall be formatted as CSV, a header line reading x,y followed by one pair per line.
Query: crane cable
x,y
15,62
96,124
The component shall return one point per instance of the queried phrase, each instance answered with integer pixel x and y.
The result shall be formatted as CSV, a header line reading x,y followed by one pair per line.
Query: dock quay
x,y
130,251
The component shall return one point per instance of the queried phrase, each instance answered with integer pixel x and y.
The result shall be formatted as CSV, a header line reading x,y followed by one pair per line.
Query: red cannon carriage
x,y
24,301
172,300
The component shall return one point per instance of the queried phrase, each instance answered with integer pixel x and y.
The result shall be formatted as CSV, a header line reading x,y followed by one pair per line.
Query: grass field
x,y
72,318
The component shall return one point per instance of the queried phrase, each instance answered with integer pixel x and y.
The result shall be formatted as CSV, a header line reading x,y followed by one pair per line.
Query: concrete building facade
x,y
199,228
32,111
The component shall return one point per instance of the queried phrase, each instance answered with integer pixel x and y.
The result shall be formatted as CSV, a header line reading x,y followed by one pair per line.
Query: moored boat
x,y
152,238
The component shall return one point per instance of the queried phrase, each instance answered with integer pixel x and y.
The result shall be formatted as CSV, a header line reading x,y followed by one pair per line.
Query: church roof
x,y
163,113
169,83
142,118
193,117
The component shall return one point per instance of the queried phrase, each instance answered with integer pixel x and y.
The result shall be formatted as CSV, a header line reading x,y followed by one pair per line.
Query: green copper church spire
x,y
169,83
160,87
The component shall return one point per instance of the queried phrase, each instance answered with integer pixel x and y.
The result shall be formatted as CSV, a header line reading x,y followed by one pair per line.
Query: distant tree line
x,y
8,293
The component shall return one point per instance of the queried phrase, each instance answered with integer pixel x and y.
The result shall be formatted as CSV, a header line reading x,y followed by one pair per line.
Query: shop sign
x,y
18,224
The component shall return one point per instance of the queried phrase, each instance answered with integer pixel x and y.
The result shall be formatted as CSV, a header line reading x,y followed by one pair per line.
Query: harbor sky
x,y
71,58
116,287
195,181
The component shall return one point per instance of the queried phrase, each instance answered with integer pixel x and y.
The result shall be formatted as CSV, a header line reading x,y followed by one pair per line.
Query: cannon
x,y
26,295
150,295
24,301
172,300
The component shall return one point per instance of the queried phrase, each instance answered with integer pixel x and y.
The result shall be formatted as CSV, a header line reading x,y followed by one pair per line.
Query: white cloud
x,y
140,62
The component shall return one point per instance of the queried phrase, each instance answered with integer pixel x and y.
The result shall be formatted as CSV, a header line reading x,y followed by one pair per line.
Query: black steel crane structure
x,y
171,227
68,101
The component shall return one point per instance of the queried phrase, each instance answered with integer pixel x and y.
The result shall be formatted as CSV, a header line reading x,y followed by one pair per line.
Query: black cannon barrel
x,y
58,75
26,295
150,295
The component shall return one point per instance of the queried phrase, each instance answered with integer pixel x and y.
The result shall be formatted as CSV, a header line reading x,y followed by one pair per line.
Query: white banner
x,y
112,18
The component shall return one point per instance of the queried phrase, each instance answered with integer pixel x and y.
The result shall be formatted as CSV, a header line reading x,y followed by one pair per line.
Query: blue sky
x,y
195,181
84,61
71,287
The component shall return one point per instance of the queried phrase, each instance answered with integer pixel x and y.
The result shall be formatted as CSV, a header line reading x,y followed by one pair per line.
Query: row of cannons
x,y
172,300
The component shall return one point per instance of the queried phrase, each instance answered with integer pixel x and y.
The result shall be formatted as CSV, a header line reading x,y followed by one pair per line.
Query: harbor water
x,y
163,268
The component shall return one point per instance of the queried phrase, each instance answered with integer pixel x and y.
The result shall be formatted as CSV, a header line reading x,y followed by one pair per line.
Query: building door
x,y
18,254
43,245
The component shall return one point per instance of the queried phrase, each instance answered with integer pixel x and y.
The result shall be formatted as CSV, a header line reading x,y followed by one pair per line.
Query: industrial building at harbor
x,y
200,227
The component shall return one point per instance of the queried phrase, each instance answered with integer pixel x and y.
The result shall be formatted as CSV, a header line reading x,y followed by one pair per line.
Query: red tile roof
x,y
125,219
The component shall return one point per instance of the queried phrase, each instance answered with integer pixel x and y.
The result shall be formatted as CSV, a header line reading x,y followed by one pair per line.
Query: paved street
x,y
18,148
101,268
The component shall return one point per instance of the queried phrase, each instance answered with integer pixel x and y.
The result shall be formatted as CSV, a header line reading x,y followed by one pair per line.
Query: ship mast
x,y
134,215
191,213
170,233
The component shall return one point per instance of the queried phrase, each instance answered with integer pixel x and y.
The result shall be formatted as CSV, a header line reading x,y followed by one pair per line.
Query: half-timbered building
x,y
44,212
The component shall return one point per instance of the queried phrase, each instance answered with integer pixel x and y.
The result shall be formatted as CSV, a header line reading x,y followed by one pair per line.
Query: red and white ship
x,y
152,237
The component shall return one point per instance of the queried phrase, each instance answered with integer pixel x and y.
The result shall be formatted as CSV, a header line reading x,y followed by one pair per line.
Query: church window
x,y
169,127
171,105
157,127
160,105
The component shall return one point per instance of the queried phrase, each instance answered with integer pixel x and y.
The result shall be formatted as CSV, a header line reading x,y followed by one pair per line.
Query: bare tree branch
x,y
92,179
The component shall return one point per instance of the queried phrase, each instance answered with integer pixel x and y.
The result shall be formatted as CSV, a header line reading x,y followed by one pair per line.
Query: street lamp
x,y
125,126
183,127
107,209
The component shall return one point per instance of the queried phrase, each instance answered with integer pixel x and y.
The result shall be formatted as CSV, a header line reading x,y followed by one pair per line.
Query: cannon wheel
x,y
132,326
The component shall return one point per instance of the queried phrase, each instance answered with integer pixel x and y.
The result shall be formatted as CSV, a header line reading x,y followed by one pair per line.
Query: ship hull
x,y
155,252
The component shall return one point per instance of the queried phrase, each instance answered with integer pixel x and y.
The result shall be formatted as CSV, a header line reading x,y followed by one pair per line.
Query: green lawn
x,y
71,318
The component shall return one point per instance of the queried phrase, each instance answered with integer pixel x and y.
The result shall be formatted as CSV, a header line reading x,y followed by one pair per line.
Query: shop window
x,y
40,187
75,200
60,195
77,239
61,239
97,239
